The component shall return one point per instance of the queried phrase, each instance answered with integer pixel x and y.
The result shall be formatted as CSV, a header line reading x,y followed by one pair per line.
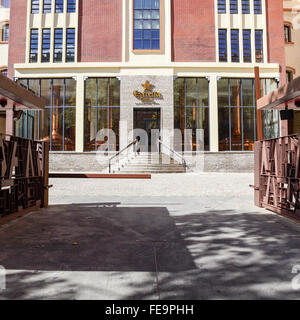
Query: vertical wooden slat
x,y
46,173
257,173
258,112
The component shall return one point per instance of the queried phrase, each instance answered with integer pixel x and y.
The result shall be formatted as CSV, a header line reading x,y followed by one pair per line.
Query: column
x,y
213,114
80,113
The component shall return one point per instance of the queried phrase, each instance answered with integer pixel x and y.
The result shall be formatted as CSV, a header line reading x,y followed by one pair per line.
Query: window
x,y
102,112
56,123
47,6
257,7
222,45
237,114
46,35
35,6
247,45
233,6
70,45
270,118
4,72
245,7
5,33
71,6
221,6
235,47
287,33
191,114
59,6
34,43
146,29
259,46
289,75
5,3
58,45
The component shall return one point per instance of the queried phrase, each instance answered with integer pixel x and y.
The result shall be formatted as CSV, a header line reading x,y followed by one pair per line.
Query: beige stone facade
x,y
292,47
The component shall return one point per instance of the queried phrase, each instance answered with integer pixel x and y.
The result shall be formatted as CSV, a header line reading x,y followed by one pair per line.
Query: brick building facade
x,y
104,65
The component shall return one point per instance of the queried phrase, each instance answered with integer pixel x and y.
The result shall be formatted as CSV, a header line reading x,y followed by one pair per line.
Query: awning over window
x,y
280,98
17,96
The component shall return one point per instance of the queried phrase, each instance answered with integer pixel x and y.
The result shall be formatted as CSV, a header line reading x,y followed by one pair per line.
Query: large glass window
x,y
56,123
59,6
58,44
46,40
47,6
35,6
34,44
222,45
71,6
70,45
270,118
191,103
259,46
102,112
237,114
146,24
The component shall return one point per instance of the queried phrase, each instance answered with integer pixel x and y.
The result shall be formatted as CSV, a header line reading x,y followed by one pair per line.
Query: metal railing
x,y
117,155
173,154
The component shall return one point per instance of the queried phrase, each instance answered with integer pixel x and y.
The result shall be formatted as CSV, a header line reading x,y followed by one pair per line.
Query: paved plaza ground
x,y
184,236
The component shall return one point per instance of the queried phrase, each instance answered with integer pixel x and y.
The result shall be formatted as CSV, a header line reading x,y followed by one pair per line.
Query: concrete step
x,y
149,163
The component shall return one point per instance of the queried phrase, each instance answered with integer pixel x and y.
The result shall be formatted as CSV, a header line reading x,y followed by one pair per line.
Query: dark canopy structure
x,y
284,97
11,94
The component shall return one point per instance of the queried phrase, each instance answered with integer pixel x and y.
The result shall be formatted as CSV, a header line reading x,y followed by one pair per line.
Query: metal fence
x,y
277,175
24,167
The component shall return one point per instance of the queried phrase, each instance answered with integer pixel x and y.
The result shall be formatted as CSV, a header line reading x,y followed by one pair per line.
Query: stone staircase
x,y
150,162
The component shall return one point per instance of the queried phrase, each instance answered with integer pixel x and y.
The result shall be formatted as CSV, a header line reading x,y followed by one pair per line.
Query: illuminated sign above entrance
x,y
148,95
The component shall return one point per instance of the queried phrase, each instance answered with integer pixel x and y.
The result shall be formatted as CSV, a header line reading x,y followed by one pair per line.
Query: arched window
x,y
287,32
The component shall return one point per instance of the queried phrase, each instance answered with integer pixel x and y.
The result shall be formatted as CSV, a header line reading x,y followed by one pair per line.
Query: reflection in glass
x,y
191,111
102,111
270,118
237,114
56,123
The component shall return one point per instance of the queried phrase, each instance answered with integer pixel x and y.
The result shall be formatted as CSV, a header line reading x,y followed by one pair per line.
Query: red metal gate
x,y
24,167
277,175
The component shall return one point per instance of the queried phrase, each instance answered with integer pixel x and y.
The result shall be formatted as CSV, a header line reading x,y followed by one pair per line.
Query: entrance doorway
x,y
147,120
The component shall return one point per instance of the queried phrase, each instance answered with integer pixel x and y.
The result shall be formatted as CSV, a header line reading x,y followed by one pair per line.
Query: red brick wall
x,y
100,31
17,34
275,34
193,30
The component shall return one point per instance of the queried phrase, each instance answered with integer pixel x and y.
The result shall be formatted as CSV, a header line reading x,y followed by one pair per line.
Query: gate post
x,y
46,174
257,171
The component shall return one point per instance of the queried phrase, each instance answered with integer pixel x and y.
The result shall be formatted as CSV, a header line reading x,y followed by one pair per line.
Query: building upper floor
x,y
291,36
146,32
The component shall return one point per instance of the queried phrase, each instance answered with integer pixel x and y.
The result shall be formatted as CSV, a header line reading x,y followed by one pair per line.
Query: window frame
x,y
69,7
160,32
289,33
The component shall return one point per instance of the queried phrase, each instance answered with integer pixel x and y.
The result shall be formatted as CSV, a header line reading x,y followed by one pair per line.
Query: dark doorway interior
x,y
147,119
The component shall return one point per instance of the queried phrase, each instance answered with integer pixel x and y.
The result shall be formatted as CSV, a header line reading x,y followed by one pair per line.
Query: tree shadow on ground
x,y
238,256
213,255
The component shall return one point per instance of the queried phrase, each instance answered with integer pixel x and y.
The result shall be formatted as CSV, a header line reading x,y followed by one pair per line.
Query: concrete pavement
x,y
193,236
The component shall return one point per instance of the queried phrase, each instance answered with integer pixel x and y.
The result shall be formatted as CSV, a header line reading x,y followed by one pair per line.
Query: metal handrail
x,y
118,153
174,153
